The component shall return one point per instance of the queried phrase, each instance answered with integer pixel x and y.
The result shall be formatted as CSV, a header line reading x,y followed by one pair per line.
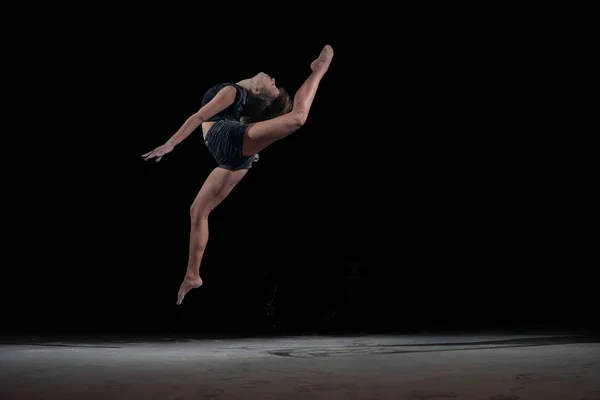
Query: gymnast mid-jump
x,y
238,121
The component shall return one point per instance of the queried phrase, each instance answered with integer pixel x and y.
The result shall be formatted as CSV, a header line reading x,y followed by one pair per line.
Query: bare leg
x,y
215,189
262,134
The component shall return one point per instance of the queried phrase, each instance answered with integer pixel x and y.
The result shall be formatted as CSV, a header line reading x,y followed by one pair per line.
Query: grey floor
x,y
422,367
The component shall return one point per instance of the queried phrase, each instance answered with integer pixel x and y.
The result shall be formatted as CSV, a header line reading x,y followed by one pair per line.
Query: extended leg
x,y
215,189
261,134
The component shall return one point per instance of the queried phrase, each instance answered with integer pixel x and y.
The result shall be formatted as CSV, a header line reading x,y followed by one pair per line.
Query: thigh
x,y
261,134
216,188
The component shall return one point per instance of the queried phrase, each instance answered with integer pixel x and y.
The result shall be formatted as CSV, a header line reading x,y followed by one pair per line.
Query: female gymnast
x,y
238,121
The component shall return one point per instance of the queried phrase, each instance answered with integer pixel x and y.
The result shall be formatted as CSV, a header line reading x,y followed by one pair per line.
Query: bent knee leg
x,y
300,117
295,119
277,128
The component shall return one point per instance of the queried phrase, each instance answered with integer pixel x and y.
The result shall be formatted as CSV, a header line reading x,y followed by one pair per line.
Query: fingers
x,y
158,156
154,153
150,154
157,153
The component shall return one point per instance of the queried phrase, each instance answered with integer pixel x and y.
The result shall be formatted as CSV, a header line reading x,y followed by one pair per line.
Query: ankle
x,y
191,274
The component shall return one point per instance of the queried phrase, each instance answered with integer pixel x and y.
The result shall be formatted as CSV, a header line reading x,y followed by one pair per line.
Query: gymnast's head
x,y
263,84
265,99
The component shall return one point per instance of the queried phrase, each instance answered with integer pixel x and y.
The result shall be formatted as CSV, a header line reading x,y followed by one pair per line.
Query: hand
x,y
159,152
255,158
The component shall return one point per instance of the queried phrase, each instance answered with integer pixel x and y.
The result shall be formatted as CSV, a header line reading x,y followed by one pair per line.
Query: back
x,y
234,111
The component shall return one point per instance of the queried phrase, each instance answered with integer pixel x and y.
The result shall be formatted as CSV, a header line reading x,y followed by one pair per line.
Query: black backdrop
x,y
429,188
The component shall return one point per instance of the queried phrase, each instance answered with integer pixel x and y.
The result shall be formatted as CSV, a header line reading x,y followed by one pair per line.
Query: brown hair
x,y
260,107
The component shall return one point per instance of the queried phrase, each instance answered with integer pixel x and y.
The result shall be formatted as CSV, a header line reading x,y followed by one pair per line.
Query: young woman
x,y
238,121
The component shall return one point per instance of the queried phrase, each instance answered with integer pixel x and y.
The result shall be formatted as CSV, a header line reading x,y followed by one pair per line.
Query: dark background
x,y
433,186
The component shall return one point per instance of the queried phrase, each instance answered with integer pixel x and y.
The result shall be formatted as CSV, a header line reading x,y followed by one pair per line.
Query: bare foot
x,y
189,283
322,62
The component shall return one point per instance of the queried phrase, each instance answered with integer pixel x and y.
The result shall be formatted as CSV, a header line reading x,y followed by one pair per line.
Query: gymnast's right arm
x,y
223,99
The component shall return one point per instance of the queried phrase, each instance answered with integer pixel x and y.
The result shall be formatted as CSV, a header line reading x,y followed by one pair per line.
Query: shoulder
x,y
229,86
234,88
229,90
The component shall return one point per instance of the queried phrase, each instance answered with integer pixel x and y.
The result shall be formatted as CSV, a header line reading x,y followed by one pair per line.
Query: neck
x,y
246,84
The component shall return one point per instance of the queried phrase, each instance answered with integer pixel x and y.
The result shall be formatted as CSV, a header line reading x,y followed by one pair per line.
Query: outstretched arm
x,y
223,99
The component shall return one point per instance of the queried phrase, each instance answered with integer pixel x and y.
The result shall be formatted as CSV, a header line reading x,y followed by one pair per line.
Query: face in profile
x,y
264,83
